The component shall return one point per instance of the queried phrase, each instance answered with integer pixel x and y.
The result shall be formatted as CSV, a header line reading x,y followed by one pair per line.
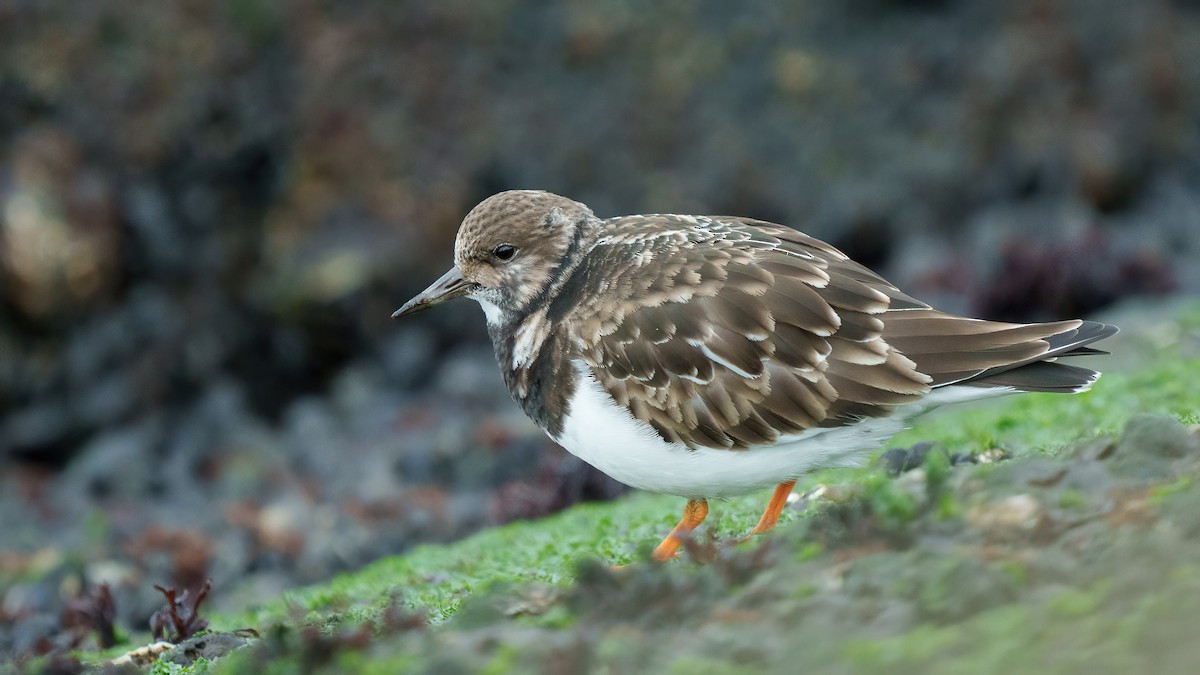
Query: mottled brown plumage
x,y
800,336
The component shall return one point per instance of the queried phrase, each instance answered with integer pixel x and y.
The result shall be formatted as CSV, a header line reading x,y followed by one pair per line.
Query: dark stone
x,y
208,646
1159,436
899,460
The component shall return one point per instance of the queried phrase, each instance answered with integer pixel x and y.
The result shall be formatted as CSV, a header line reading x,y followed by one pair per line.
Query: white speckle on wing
x,y
716,358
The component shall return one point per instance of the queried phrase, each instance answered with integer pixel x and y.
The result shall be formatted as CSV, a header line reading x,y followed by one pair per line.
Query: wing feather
x,y
738,340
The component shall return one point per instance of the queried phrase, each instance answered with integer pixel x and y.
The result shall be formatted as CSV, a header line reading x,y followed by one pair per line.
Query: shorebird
x,y
711,356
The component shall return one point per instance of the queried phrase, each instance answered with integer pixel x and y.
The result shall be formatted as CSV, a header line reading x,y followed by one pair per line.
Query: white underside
x,y
609,438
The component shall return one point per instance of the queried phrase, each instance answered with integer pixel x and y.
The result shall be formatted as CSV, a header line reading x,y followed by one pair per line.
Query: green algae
x,y
1075,556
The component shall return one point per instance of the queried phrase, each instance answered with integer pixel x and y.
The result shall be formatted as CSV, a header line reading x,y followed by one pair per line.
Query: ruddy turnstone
x,y
709,356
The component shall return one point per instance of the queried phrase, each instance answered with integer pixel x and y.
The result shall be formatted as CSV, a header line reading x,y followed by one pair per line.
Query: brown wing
x,y
741,335
749,331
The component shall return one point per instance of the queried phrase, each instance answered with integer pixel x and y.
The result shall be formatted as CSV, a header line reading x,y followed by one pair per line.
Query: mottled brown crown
x,y
543,227
525,215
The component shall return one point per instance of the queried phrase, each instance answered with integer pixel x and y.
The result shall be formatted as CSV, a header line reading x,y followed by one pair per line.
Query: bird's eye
x,y
504,252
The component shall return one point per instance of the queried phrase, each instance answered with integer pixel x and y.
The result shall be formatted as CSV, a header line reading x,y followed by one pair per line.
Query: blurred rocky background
x,y
208,211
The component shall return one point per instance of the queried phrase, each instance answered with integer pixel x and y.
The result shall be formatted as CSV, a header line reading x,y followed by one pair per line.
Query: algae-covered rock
x,y
1158,435
1148,445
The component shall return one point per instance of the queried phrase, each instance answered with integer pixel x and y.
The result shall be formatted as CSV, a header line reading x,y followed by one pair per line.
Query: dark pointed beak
x,y
450,286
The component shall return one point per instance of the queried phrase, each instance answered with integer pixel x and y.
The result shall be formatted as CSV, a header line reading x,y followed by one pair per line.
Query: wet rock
x,y
39,431
470,375
1010,516
163,248
952,587
409,356
33,634
310,431
117,465
106,401
209,646
1183,510
1158,436
1095,449
899,460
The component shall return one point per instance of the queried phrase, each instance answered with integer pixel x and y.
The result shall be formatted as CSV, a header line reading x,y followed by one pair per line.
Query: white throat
x,y
494,315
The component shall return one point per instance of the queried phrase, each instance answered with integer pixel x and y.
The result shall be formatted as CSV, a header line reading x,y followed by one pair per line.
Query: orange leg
x,y
771,515
693,514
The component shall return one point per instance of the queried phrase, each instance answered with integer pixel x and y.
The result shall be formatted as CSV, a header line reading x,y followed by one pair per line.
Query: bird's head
x,y
509,251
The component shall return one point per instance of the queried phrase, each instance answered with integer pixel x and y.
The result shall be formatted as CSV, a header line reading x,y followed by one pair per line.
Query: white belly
x,y
606,436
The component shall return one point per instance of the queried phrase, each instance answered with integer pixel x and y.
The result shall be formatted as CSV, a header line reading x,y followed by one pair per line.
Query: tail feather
x,y
1057,378
960,351
1086,351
